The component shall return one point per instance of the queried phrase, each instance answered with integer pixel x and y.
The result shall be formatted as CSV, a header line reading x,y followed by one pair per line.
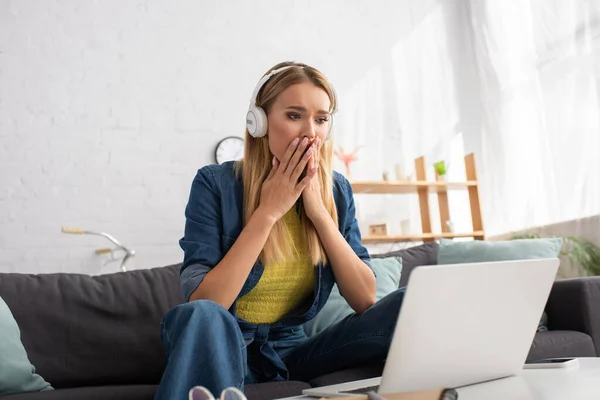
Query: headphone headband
x,y
264,79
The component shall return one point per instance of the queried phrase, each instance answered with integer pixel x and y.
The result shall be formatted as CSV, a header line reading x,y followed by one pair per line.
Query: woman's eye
x,y
322,120
294,117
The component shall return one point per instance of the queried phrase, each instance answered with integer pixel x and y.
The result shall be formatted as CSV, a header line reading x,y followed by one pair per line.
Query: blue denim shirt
x,y
214,219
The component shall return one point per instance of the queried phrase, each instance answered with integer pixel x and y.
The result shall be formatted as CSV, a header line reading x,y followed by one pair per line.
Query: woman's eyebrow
x,y
303,109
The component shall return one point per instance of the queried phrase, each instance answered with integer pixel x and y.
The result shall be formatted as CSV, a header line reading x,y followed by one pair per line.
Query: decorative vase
x,y
399,171
405,227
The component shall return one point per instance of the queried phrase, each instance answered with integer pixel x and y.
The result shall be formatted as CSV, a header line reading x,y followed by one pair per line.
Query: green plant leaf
x,y
526,235
584,253
440,167
578,250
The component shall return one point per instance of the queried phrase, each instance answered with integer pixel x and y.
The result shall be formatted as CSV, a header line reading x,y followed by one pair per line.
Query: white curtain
x,y
515,81
406,107
538,64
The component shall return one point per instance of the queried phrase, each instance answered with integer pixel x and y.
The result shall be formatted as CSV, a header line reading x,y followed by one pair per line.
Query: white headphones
x,y
256,118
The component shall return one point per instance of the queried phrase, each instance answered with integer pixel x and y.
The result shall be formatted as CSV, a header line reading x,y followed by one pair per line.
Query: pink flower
x,y
347,158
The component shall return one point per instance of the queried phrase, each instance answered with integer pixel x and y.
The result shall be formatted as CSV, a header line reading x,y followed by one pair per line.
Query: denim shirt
x,y
214,219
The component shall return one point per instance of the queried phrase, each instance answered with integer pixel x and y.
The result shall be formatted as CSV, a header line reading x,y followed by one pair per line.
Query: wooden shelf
x,y
423,187
425,237
405,187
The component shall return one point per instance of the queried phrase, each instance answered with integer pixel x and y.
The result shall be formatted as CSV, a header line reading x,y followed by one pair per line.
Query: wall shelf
x,y
407,187
423,188
423,237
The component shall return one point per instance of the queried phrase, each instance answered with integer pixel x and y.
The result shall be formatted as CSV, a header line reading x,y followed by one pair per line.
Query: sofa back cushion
x,y
82,330
477,251
412,257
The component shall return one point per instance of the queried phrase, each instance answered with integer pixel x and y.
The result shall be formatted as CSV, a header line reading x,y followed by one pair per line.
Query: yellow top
x,y
281,287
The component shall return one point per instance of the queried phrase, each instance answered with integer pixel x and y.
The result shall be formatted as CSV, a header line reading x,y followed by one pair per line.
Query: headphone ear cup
x,y
256,122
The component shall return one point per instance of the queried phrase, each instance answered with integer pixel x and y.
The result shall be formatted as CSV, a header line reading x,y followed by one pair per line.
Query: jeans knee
x,y
198,312
385,312
394,299
204,307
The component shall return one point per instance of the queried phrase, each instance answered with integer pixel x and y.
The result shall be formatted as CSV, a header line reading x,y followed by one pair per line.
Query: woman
x,y
266,238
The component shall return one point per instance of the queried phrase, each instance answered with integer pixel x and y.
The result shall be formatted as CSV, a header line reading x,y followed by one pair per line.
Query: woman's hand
x,y
282,188
311,196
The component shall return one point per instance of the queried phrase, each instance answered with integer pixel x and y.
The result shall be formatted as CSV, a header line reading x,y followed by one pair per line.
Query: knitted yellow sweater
x,y
282,287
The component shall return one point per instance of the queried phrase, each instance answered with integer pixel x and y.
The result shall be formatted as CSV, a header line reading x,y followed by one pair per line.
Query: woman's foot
x,y
232,393
202,393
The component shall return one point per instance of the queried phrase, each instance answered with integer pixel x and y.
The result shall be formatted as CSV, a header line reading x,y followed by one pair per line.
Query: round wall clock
x,y
230,148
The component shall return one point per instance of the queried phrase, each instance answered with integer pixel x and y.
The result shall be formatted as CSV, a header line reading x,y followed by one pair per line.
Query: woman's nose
x,y
309,130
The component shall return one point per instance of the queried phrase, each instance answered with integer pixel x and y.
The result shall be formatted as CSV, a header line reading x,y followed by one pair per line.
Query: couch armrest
x,y
574,305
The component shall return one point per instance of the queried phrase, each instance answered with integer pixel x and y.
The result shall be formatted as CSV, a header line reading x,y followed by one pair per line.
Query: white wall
x,y
107,109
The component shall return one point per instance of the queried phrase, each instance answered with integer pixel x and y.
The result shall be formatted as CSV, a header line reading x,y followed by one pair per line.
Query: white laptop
x,y
460,325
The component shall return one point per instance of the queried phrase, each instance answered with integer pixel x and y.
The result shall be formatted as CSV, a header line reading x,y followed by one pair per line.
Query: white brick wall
x,y
108,108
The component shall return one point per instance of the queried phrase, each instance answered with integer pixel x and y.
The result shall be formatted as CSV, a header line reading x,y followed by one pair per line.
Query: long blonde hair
x,y
257,163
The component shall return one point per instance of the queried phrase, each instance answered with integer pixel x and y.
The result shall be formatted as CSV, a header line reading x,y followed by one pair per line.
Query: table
x,y
577,383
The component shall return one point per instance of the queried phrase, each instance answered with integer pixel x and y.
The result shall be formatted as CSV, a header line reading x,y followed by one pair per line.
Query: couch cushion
x,y
82,330
425,254
475,251
126,392
274,390
561,344
348,375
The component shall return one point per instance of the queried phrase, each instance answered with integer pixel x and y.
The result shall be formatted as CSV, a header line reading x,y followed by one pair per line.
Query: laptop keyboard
x,y
363,389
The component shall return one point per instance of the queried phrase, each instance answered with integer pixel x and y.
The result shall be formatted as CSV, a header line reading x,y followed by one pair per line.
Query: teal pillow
x,y
451,252
17,375
387,272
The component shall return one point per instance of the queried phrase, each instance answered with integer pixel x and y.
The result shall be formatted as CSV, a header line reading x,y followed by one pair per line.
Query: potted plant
x,y
441,170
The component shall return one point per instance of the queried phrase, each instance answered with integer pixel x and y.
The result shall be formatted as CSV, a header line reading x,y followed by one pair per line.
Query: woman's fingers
x,y
318,151
296,157
301,154
273,168
304,161
310,174
288,154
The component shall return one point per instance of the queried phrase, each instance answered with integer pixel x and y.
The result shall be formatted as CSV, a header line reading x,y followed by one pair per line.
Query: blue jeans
x,y
205,346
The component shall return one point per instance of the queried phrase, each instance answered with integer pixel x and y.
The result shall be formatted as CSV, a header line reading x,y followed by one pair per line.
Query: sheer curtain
x,y
538,67
405,107
515,81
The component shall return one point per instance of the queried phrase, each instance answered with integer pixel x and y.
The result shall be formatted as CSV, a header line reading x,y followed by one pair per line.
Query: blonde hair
x,y
257,162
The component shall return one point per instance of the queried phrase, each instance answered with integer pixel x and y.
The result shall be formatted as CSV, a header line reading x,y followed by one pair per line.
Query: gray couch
x,y
97,337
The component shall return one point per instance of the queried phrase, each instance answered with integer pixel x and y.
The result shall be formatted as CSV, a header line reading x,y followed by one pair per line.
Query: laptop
x,y
459,325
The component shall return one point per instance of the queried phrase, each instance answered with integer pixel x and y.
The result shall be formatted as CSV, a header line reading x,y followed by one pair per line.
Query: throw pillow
x,y
387,272
17,375
412,257
451,252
